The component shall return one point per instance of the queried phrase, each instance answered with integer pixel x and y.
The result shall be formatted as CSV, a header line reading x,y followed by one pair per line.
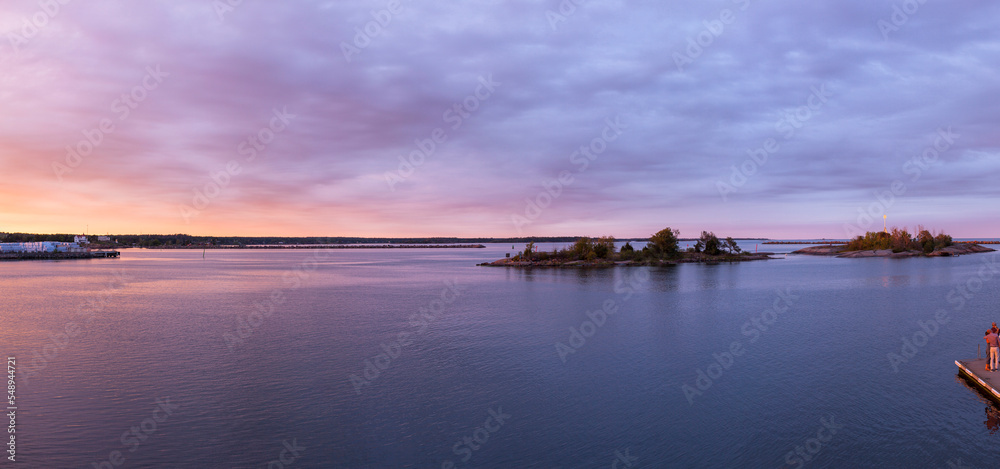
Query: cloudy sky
x,y
499,117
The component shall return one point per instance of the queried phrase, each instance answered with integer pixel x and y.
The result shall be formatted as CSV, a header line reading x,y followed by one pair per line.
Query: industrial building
x,y
44,246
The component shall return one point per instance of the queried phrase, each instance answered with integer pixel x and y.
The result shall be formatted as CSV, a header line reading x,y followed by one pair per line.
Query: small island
x,y
662,249
897,243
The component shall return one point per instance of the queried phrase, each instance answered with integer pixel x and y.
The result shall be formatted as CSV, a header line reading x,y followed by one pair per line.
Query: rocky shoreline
x,y
840,251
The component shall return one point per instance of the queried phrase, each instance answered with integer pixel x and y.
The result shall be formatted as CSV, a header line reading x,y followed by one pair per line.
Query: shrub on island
x,y
663,246
899,240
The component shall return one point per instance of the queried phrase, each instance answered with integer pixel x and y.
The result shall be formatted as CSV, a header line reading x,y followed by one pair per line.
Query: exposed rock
x,y
857,254
831,250
963,248
956,249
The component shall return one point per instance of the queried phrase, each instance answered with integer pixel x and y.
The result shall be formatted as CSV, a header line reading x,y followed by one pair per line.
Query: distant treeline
x,y
31,238
148,240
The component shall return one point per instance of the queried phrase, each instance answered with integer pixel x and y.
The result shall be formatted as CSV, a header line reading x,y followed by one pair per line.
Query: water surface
x,y
482,341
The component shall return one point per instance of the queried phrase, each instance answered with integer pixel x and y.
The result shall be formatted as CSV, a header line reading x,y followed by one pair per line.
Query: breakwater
x,y
329,246
804,242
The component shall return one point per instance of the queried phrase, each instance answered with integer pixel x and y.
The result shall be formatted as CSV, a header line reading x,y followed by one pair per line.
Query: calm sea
x,y
420,359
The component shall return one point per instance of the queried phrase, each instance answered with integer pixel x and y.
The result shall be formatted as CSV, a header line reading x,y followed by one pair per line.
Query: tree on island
x,y
587,248
926,240
604,247
940,241
731,246
709,243
528,248
664,242
583,248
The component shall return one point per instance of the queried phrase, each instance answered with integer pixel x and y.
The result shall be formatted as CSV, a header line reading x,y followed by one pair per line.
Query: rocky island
x,y
896,244
662,249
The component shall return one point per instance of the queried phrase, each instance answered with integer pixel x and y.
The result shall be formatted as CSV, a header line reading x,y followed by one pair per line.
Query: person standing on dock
x,y
991,339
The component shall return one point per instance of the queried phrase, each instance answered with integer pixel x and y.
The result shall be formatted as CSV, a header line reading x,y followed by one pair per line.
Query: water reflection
x,y
581,275
992,412
708,277
585,276
665,278
892,281
992,419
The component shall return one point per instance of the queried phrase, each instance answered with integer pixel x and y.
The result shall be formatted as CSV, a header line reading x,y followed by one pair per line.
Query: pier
x,y
975,371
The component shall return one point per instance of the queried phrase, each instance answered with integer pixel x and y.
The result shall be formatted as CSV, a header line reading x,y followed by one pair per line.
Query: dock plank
x,y
975,369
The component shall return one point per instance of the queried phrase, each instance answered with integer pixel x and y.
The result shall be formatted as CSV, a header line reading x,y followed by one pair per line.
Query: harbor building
x,y
44,246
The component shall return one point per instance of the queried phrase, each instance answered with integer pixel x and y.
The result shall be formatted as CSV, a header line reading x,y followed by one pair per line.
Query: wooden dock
x,y
975,371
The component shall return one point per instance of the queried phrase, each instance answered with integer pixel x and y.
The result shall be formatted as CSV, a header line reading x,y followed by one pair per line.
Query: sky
x,y
781,119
